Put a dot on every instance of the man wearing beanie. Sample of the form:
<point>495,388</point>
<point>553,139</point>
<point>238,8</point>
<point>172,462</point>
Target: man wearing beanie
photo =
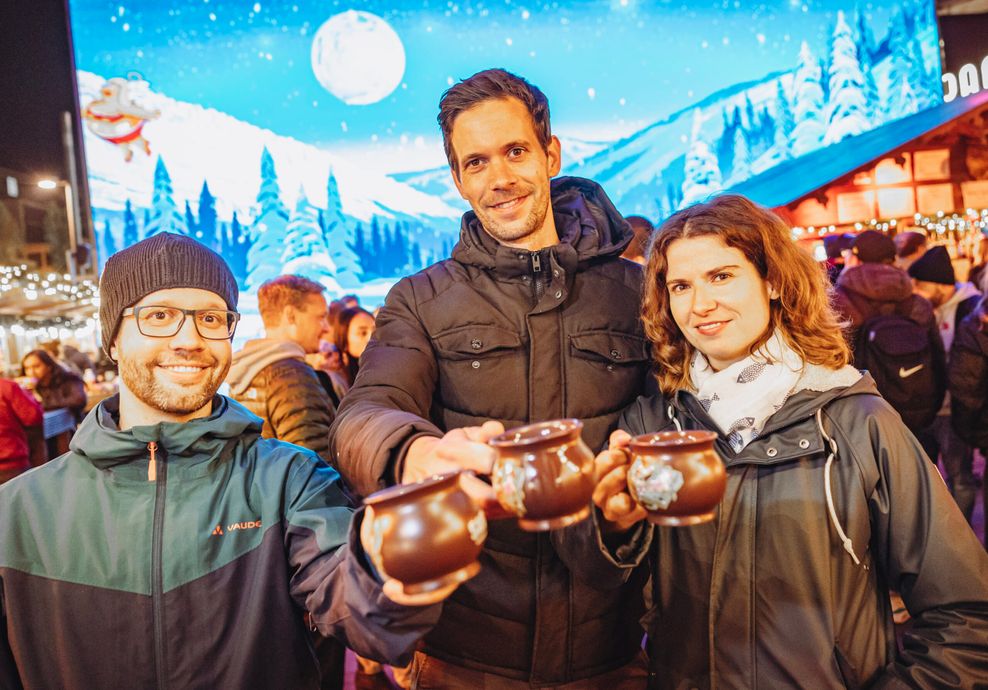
<point>933,278</point>
<point>173,546</point>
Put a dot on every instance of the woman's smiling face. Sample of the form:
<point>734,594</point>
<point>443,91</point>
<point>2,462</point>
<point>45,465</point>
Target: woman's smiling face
<point>717,298</point>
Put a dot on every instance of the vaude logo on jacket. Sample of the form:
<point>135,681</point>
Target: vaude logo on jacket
<point>232,527</point>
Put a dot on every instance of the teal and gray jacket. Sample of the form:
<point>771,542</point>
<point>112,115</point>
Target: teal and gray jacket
<point>192,571</point>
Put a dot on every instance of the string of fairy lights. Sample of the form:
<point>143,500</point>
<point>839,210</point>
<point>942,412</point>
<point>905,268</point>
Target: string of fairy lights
<point>34,286</point>
<point>938,224</point>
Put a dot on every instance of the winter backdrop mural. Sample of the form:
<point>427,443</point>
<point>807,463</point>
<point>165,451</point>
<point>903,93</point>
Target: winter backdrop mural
<point>300,135</point>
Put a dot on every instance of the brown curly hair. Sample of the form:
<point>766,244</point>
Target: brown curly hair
<point>802,312</point>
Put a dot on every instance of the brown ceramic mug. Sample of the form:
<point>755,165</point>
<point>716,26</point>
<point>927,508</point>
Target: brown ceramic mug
<point>423,538</point>
<point>676,476</point>
<point>544,474</point>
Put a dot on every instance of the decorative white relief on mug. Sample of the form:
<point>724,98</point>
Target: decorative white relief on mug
<point>477,526</point>
<point>509,487</point>
<point>657,486</point>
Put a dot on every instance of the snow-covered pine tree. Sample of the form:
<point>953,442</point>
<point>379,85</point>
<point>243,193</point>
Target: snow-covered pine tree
<point>337,237</point>
<point>239,249</point>
<point>109,244</point>
<point>741,165</point>
<point>905,94</point>
<point>702,174</point>
<point>267,234</point>
<point>783,123</point>
<point>164,216</point>
<point>131,235</point>
<point>208,231</point>
<point>191,223</point>
<point>848,107</point>
<point>305,250</point>
<point>807,96</point>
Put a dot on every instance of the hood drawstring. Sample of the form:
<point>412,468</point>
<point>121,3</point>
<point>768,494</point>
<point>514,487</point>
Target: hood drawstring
<point>845,540</point>
<point>671,414</point>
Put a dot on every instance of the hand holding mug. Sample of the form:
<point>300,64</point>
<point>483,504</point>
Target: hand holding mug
<point>459,449</point>
<point>620,511</point>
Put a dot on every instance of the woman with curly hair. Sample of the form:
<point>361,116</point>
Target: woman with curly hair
<point>830,501</point>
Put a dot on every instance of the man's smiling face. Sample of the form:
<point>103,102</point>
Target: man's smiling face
<point>503,172</point>
<point>172,378</point>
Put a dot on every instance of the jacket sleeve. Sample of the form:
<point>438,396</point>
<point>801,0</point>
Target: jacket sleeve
<point>388,406</point>
<point>968,383</point>
<point>331,578</point>
<point>299,409</point>
<point>926,552</point>
<point>27,410</point>
<point>607,561</point>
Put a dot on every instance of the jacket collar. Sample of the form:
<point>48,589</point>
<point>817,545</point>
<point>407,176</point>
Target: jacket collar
<point>588,224</point>
<point>100,440</point>
<point>782,438</point>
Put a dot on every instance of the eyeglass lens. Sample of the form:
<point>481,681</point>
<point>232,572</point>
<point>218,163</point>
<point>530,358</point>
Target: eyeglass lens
<point>167,321</point>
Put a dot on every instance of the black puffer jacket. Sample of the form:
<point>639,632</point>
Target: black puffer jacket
<point>271,379</point>
<point>515,336</point>
<point>968,380</point>
<point>766,596</point>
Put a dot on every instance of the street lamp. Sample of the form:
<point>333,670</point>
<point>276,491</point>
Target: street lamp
<point>72,252</point>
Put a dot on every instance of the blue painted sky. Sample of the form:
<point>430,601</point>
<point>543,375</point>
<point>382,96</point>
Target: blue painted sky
<point>642,60</point>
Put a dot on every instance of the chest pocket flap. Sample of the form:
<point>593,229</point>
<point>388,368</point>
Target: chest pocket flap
<point>609,346</point>
<point>466,342</point>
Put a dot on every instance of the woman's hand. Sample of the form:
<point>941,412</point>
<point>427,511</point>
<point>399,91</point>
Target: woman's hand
<point>619,509</point>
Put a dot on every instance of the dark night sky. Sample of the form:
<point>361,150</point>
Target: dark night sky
<point>36,85</point>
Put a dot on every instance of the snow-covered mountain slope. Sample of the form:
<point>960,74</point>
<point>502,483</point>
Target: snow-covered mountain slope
<point>200,143</point>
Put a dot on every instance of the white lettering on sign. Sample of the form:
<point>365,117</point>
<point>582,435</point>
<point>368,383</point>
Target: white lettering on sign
<point>965,82</point>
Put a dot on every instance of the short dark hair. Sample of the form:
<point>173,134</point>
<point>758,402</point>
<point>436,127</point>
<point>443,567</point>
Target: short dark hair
<point>286,290</point>
<point>492,84</point>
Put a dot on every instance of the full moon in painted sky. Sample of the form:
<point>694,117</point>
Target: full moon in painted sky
<point>358,57</point>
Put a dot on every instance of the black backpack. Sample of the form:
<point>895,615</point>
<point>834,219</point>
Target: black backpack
<point>908,367</point>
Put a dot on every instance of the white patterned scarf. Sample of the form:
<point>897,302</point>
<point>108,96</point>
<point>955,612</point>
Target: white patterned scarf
<point>740,398</point>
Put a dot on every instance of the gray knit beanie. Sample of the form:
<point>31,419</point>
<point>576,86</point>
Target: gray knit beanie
<point>158,263</point>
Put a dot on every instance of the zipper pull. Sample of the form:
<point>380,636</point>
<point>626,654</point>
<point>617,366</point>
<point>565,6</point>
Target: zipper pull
<point>153,464</point>
<point>536,263</point>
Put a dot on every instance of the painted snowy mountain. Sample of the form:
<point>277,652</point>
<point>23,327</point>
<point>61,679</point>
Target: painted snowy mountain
<point>200,144</point>
<point>644,173</point>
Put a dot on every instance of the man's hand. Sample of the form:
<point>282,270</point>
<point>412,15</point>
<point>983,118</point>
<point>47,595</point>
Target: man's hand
<point>619,509</point>
<point>460,449</point>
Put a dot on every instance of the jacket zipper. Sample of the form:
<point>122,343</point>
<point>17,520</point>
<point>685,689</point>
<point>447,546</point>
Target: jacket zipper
<point>157,586</point>
<point>537,277</point>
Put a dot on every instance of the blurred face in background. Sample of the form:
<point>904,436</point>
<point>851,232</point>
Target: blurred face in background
<point>358,333</point>
<point>309,322</point>
<point>36,369</point>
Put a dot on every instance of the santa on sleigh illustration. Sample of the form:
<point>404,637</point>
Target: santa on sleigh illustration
<point>116,117</point>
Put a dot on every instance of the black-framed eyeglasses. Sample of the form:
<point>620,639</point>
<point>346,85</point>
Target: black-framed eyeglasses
<point>164,322</point>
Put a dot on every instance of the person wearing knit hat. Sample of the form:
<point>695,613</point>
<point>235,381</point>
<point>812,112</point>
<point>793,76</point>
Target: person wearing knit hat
<point>206,541</point>
<point>872,247</point>
<point>933,278</point>
<point>909,246</point>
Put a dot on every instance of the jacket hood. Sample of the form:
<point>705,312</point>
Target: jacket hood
<point>877,282</point>
<point>588,224</point>
<point>255,356</point>
<point>100,440</point>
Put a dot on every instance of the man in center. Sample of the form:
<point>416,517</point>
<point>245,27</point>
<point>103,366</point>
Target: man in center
<point>534,317</point>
